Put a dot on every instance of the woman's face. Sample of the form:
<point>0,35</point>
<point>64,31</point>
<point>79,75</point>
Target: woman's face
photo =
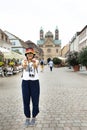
<point>30,56</point>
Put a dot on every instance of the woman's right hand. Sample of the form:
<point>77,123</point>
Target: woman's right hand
<point>25,64</point>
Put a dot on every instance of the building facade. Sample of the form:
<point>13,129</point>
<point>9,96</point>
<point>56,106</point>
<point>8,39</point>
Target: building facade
<point>4,41</point>
<point>74,43</point>
<point>83,38</point>
<point>17,44</point>
<point>79,40</point>
<point>50,44</point>
<point>65,51</point>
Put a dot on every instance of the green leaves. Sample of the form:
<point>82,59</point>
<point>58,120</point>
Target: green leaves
<point>73,58</point>
<point>56,61</point>
<point>83,56</point>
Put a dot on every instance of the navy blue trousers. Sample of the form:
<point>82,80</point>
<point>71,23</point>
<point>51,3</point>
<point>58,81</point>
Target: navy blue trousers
<point>51,68</point>
<point>31,91</point>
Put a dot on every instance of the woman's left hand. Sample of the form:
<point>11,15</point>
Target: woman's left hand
<point>34,63</point>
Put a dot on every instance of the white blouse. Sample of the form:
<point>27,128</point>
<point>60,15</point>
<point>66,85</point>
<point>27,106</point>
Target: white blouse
<point>30,73</point>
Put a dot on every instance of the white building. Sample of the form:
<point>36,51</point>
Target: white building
<point>17,44</point>
<point>74,43</point>
<point>4,41</point>
<point>83,38</point>
<point>79,41</point>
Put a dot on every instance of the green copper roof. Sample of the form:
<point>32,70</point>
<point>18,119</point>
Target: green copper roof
<point>56,42</point>
<point>40,42</point>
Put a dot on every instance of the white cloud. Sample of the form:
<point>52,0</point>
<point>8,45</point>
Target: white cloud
<point>25,17</point>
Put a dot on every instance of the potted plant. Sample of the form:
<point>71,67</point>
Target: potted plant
<point>73,60</point>
<point>1,63</point>
<point>57,62</point>
<point>1,60</point>
<point>11,63</point>
<point>83,57</point>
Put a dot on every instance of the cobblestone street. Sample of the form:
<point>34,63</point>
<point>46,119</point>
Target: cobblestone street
<point>63,101</point>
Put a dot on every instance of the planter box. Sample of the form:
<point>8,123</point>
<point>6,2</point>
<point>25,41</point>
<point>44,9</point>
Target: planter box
<point>76,68</point>
<point>58,65</point>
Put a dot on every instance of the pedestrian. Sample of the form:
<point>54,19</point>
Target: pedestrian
<point>50,65</point>
<point>30,87</point>
<point>42,65</point>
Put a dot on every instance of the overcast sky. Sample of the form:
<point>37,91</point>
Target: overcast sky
<point>24,18</point>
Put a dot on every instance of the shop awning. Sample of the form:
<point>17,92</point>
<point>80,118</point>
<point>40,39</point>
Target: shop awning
<point>62,58</point>
<point>12,54</point>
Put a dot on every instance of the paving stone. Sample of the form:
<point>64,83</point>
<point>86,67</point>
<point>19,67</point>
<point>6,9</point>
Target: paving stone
<point>67,128</point>
<point>75,128</point>
<point>83,128</point>
<point>59,128</point>
<point>63,101</point>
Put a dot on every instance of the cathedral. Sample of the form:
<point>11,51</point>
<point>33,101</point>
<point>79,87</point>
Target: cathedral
<point>50,44</point>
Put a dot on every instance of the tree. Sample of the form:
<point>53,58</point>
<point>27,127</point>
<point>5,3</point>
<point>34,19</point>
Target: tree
<point>57,61</point>
<point>83,56</point>
<point>73,58</point>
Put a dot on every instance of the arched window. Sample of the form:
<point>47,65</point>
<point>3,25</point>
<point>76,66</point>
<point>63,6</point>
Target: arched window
<point>56,50</point>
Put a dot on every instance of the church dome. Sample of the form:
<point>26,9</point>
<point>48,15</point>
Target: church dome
<point>49,34</point>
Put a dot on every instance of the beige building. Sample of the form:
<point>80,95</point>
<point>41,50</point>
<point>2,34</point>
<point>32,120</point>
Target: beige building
<point>50,44</point>
<point>65,51</point>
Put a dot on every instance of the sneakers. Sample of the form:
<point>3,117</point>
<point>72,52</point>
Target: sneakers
<point>30,123</point>
<point>33,123</point>
<point>27,122</point>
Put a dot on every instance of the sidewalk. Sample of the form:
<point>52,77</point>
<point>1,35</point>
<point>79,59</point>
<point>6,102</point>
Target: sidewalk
<point>65,96</point>
<point>63,101</point>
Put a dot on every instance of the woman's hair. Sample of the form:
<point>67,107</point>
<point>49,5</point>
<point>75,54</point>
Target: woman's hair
<point>32,57</point>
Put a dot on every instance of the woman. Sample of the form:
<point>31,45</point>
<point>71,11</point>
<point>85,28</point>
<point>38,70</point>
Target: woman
<point>30,87</point>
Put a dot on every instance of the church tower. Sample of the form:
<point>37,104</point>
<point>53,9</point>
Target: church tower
<point>56,33</point>
<point>49,43</point>
<point>41,34</point>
